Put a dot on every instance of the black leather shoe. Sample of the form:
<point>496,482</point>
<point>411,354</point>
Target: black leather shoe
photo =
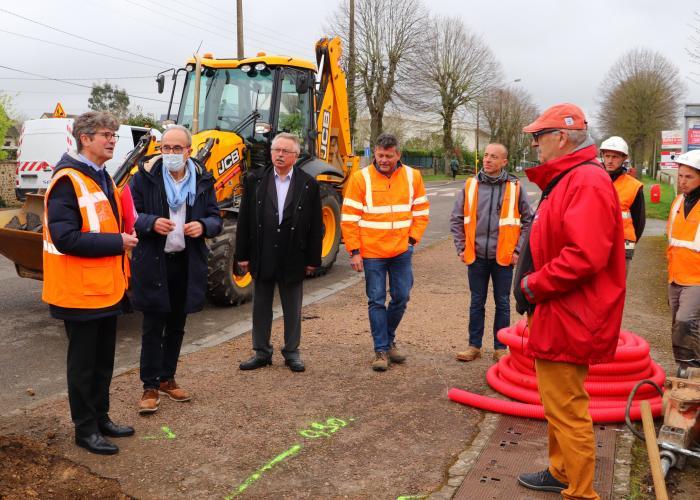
<point>109,428</point>
<point>296,365</point>
<point>96,443</point>
<point>254,363</point>
<point>542,481</point>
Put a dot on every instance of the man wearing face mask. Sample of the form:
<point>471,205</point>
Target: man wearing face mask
<point>176,205</point>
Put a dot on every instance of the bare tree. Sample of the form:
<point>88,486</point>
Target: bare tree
<point>640,96</point>
<point>507,111</point>
<point>694,50</point>
<point>386,31</point>
<point>449,71</point>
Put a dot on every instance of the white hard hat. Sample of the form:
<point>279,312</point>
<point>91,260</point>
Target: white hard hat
<point>615,143</point>
<point>690,159</point>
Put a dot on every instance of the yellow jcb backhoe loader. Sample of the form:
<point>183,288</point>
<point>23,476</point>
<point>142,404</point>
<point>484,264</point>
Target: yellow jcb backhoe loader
<point>234,108</point>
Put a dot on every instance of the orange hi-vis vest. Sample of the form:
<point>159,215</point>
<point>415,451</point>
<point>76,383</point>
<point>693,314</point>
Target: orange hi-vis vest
<point>381,213</point>
<point>627,188</point>
<point>84,282</point>
<point>508,223</point>
<point>683,244</point>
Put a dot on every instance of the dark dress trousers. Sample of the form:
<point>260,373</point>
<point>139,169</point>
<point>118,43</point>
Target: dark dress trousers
<point>279,252</point>
<point>168,286</point>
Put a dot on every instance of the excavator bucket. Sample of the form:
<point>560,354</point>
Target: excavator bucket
<point>20,236</point>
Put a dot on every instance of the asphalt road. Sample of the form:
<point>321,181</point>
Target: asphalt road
<point>33,345</point>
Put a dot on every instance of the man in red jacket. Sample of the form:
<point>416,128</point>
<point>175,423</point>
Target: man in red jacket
<point>571,280</point>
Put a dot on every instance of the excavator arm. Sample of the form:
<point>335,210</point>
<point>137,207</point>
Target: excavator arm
<point>334,144</point>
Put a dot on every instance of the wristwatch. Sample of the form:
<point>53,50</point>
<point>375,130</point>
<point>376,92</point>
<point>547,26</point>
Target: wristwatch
<point>354,252</point>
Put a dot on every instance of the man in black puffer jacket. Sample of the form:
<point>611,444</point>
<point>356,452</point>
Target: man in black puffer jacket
<point>176,205</point>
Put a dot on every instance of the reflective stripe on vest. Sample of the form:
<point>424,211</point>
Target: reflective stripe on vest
<point>683,244</point>
<point>508,223</point>
<point>77,282</point>
<point>380,213</point>
<point>627,188</point>
<point>371,208</point>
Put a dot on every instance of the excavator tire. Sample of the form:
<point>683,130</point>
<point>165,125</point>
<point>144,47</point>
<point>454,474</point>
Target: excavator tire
<point>330,216</point>
<point>225,288</point>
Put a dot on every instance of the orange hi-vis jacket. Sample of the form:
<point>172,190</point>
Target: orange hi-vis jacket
<point>84,282</point>
<point>381,213</point>
<point>683,244</point>
<point>508,223</point>
<point>627,188</point>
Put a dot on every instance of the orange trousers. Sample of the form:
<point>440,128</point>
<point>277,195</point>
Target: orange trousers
<point>570,428</point>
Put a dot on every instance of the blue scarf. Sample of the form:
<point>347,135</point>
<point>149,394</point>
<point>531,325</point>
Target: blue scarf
<point>179,192</point>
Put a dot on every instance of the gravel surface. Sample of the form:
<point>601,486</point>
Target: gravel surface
<point>338,430</point>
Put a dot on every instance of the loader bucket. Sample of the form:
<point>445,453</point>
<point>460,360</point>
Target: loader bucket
<point>24,248</point>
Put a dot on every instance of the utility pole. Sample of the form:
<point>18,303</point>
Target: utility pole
<point>239,27</point>
<point>351,71</point>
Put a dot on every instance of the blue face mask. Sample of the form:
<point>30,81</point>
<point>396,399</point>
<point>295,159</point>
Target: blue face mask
<point>173,162</point>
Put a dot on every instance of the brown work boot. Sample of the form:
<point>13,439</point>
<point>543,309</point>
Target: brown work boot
<point>174,391</point>
<point>395,356</point>
<point>381,362</point>
<point>470,354</point>
<point>499,353</point>
<point>149,401</point>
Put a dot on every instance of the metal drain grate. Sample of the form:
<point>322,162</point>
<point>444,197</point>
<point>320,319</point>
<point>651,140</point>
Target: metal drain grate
<point>520,445</point>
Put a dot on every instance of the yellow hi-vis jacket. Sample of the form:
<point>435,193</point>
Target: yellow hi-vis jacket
<point>627,188</point>
<point>84,282</point>
<point>683,244</point>
<point>381,213</point>
<point>508,222</point>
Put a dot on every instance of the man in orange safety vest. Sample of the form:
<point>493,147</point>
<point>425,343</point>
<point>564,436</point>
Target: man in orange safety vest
<point>385,212</point>
<point>683,252</point>
<point>613,153</point>
<point>490,218</point>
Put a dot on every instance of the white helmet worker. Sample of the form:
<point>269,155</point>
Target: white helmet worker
<point>690,159</point>
<point>615,143</point>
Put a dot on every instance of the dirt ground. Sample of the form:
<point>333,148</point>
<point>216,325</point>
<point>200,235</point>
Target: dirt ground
<point>338,430</point>
<point>261,432</point>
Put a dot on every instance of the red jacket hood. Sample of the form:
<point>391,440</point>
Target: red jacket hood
<point>544,173</point>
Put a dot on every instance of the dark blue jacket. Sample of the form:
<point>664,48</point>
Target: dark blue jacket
<point>65,223</point>
<point>149,277</point>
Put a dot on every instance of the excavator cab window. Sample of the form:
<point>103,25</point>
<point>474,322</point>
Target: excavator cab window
<point>228,98</point>
<point>295,112</point>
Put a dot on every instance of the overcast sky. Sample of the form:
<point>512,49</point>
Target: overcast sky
<point>559,49</point>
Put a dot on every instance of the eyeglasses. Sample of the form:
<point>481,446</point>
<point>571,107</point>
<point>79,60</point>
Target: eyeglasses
<point>107,135</point>
<point>283,151</point>
<point>178,150</point>
<point>536,135</point>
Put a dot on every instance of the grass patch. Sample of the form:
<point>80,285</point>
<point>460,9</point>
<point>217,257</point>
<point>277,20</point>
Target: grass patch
<point>658,210</point>
<point>639,472</point>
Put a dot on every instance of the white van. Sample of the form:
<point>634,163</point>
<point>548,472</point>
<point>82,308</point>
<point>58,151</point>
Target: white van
<point>42,143</point>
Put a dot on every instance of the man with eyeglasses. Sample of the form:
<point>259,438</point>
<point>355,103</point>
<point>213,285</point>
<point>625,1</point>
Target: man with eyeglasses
<point>177,209</point>
<point>570,279</point>
<point>278,240</point>
<point>85,278</point>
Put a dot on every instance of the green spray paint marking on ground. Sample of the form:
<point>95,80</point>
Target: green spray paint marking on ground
<point>168,434</point>
<point>258,473</point>
<point>411,497</point>
<point>330,426</point>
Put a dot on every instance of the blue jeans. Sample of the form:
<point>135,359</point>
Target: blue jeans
<point>479,272</point>
<point>384,320</point>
